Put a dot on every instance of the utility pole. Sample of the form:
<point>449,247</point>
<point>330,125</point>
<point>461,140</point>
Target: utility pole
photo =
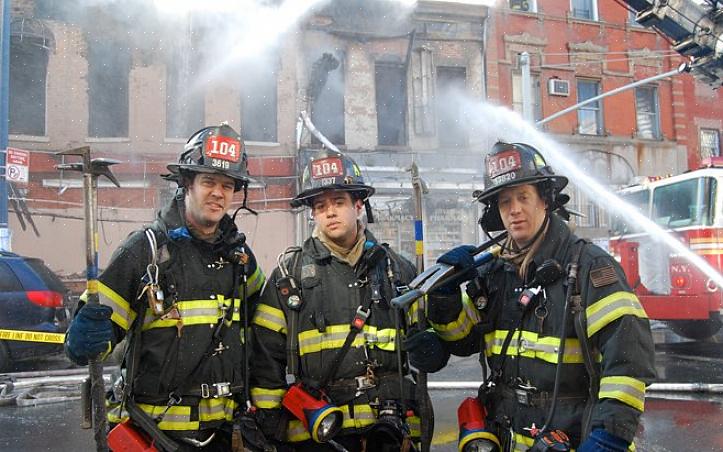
<point>526,87</point>
<point>4,112</point>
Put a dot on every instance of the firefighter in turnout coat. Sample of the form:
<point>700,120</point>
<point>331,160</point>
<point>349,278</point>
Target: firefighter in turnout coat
<point>325,318</point>
<point>177,291</point>
<point>517,309</point>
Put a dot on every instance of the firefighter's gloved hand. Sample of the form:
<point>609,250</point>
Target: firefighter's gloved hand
<point>426,351</point>
<point>462,259</point>
<point>90,334</point>
<point>602,441</point>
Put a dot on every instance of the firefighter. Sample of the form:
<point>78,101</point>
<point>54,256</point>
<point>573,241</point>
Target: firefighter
<point>177,292</point>
<point>325,315</point>
<point>586,392</point>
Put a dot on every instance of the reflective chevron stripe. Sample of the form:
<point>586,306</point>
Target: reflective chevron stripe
<point>610,308</point>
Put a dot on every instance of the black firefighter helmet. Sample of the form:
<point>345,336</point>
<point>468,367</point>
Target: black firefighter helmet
<point>330,170</point>
<point>214,149</point>
<point>510,164</point>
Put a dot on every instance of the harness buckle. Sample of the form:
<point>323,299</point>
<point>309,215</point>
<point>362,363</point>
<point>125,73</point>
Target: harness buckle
<point>205,391</point>
<point>222,389</point>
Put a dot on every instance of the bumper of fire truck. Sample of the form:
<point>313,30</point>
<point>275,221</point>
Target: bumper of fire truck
<point>683,307</point>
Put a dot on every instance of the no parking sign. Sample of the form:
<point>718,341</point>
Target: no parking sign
<point>18,164</point>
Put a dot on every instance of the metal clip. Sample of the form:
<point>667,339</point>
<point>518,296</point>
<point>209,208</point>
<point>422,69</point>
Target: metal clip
<point>222,389</point>
<point>360,318</point>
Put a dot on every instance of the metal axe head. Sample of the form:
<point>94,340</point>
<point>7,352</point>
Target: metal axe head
<point>96,167</point>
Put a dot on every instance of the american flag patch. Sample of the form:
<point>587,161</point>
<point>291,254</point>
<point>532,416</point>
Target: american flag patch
<point>603,276</point>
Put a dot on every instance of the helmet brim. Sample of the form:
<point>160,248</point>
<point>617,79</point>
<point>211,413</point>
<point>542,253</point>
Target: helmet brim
<point>176,168</point>
<point>305,197</point>
<point>489,196</point>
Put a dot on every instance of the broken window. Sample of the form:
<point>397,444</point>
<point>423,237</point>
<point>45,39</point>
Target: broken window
<point>326,92</point>
<point>185,96</point>
<point>646,108</point>
<point>259,101</point>
<point>391,104</point>
<point>109,63</point>
<point>451,82</point>
<point>29,45</point>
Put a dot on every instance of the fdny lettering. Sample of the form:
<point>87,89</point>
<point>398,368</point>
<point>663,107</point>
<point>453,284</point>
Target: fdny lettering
<point>503,162</point>
<point>327,168</point>
<point>224,148</point>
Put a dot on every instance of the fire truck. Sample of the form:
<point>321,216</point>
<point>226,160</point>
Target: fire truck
<point>671,289</point>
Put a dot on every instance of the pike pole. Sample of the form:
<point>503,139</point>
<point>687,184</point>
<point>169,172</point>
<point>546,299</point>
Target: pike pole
<point>91,170</point>
<point>425,406</point>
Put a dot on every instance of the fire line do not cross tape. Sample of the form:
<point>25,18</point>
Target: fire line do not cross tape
<point>32,336</point>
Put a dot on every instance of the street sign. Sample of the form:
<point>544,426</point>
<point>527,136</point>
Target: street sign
<point>18,165</point>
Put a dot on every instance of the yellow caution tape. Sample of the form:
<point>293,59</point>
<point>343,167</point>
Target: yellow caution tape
<point>32,336</point>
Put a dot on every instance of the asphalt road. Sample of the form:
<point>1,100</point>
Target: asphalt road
<point>672,422</point>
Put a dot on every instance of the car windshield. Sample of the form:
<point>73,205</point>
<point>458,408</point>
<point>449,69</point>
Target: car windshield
<point>639,199</point>
<point>686,203</point>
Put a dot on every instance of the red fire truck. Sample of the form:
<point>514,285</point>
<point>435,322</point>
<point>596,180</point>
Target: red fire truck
<point>673,290</point>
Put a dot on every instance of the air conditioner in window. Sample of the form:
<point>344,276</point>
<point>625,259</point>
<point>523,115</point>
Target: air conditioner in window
<point>558,87</point>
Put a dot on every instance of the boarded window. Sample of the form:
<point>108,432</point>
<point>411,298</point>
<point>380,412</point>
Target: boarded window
<point>709,143</point>
<point>391,104</point>
<point>185,105</point>
<point>451,82</point>
<point>28,73</point>
<point>109,64</point>
<point>326,89</point>
<point>646,108</point>
<point>259,102</point>
<point>536,95</point>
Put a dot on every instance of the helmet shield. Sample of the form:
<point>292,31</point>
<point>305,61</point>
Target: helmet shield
<point>511,164</point>
<point>329,170</point>
<point>216,149</point>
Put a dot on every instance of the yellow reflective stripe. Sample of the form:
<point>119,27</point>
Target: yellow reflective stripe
<point>176,418</point>
<point>628,390</point>
<point>312,341</point>
<point>415,310</point>
<point>216,409</point>
<point>529,345</point>
<point>458,329</point>
<point>193,312</point>
<point>364,416</point>
<point>270,318</point>
<point>521,442</point>
<point>415,426</point>
<point>255,282</point>
<point>611,308</point>
<point>122,315</point>
<point>267,398</point>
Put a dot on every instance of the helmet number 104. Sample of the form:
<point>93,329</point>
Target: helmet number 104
<point>220,147</point>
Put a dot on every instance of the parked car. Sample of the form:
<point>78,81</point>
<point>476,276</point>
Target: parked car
<point>32,298</point>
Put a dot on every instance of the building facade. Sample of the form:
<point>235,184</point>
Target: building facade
<point>582,48</point>
<point>391,83</point>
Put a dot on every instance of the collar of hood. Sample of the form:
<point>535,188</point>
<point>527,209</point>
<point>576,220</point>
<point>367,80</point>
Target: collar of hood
<point>314,248</point>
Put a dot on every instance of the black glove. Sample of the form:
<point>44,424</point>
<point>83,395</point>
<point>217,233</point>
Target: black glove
<point>462,259</point>
<point>426,351</point>
<point>90,334</point>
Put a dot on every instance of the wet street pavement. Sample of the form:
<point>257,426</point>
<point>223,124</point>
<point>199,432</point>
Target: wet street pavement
<point>672,422</point>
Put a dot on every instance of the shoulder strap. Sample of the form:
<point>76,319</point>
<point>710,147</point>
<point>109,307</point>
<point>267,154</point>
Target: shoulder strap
<point>586,346</point>
<point>288,286</point>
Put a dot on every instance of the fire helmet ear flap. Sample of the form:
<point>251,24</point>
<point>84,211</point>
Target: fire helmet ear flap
<point>490,221</point>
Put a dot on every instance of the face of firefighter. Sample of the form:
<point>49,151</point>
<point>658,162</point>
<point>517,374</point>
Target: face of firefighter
<point>336,214</point>
<point>208,198</point>
<point>522,211</point>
